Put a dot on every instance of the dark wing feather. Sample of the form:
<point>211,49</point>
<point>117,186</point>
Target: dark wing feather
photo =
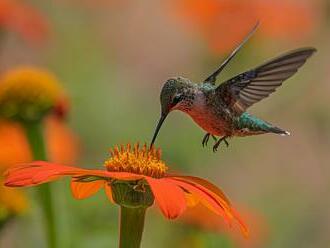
<point>213,77</point>
<point>247,88</point>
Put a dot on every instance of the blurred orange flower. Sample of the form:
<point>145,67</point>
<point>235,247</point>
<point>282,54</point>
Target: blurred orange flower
<point>14,147</point>
<point>17,16</point>
<point>12,202</point>
<point>62,147</point>
<point>61,143</point>
<point>207,221</point>
<point>142,168</point>
<point>224,23</point>
<point>29,93</point>
<point>33,93</point>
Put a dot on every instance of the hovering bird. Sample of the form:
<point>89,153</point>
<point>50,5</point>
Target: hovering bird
<point>221,110</point>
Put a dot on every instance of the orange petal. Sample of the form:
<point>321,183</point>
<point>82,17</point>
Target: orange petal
<point>82,190</point>
<point>211,189</point>
<point>38,172</point>
<point>169,197</point>
<point>35,173</point>
<point>125,176</point>
<point>206,198</point>
<point>212,201</point>
<point>242,225</point>
<point>13,142</point>
<point>210,186</point>
<point>191,200</point>
<point>108,192</point>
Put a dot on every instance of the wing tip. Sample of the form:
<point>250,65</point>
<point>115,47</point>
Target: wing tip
<point>309,50</point>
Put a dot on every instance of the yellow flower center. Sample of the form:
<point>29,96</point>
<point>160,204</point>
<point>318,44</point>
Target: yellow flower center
<point>138,160</point>
<point>28,93</point>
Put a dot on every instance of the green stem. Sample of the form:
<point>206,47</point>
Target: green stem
<point>131,226</point>
<point>34,133</point>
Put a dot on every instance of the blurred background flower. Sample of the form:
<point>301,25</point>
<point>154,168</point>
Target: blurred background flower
<point>20,17</point>
<point>32,101</point>
<point>280,19</point>
<point>29,94</point>
<point>62,145</point>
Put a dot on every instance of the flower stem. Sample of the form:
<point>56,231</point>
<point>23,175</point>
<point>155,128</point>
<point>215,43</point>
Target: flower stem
<point>131,226</point>
<point>35,137</point>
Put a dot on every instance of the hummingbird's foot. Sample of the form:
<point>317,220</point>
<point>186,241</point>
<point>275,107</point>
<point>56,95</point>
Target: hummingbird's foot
<point>216,146</point>
<point>206,139</point>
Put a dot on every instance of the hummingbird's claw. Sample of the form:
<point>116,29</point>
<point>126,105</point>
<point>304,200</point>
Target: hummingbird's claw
<point>217,144</point>
<point>226,142</point>
<point>205,139</point>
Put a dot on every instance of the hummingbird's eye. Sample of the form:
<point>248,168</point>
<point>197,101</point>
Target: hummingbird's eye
<point>177,99</point>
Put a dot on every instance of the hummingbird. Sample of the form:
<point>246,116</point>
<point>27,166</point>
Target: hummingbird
<point>220,110</point>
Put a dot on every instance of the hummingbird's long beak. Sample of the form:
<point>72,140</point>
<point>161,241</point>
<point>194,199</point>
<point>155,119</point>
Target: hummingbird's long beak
<point>160,123</point>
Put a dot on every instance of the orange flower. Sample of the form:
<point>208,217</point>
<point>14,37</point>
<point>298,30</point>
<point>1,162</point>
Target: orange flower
<point>224,23</point>
<point>32,93</point>
<point>62,144</point>
<point>289,20</point>
<point>140,169</point>
<point>14,148</point>
<point>23,19</point>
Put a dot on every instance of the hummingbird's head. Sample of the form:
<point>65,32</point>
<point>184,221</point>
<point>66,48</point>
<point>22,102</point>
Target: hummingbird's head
<point>172,97</point>
<point>173,94</point>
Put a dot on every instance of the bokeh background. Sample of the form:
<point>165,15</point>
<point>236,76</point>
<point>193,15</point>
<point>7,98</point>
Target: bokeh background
<point>113,57</point>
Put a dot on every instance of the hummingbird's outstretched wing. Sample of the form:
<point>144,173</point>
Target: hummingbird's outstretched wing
<point>249,87</point>
<point>213,77</point>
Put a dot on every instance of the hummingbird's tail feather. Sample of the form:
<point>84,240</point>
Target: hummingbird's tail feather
<point>278,130</point>
<point>250,125</point>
